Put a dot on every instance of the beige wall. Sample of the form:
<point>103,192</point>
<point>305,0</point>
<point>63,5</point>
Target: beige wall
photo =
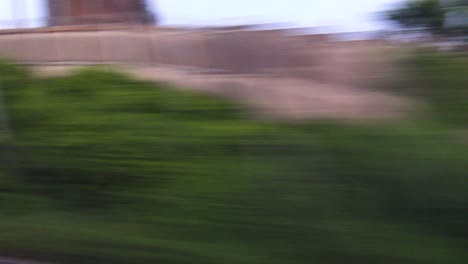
<point>246,52</point>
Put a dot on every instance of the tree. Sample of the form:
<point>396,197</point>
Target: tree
<point>426,15</point>
<point>438,17</point>
<point>149,17</point>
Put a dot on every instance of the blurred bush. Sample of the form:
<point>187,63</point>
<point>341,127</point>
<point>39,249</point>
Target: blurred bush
<point>440,79</point>
<point>97,134</point>
<point>107,169</point>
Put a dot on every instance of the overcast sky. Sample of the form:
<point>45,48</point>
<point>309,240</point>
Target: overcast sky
<point>336,15</point>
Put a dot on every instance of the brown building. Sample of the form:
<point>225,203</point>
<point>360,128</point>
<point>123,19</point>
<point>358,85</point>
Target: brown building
<point>72,12</point>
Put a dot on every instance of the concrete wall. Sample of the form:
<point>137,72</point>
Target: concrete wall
<point>238,52</point>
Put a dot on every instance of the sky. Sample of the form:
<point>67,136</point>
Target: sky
<point>333,15</point>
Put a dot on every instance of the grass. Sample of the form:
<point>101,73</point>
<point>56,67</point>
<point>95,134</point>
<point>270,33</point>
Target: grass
<point>105,169</point>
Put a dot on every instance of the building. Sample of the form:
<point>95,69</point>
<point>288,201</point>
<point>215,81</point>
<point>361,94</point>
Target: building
<point>79,12</point>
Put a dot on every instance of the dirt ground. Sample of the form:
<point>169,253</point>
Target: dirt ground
<point>270,95</point>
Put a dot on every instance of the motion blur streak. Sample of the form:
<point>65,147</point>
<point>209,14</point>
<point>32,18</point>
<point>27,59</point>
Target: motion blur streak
<point>123,142</point>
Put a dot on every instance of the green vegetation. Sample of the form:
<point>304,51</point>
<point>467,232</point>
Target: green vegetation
<point>101,168</point>
<point>419,14</point>
<point>441,80</point>
<point>438,17</point>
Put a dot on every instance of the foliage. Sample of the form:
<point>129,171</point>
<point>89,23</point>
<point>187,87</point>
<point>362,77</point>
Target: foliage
<point>103,129</point>
<point>113,170</point>
<point>419,14</point>
<point>439,80</point>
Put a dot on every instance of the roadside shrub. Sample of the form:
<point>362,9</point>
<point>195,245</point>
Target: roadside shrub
<point>95,135</point>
